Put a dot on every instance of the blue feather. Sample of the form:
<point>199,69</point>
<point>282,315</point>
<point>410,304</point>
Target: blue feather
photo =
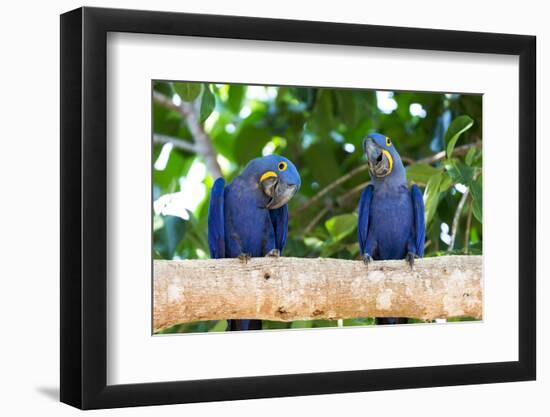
<point>239,221</point>
<point>419,220</point>
<point>216,235</point>
<point>391,222</point>
<point>363,221</point>
<point>279,220</point>
<point>391,217</point>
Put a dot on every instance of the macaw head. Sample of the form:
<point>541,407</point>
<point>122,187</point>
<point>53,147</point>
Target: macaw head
<point>277,178</point>
<point>382,157</point>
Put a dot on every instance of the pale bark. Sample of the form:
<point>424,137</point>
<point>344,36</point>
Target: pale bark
<point>176,142</point>
<point>290,289</point>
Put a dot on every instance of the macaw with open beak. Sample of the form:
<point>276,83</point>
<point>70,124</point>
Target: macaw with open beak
<point>391,222</point>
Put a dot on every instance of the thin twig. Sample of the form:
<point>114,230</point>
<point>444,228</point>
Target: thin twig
<point>432,159</point>
<point>332,185</point>
<point>408,161</point>
<point>456,218</point>
<point>315,220</point>
<point>468,226</point>
<point>203,143</point>
<point>458,151</point>
<point>352,192</point>
<point>165,101</point>
<point>178,143</point>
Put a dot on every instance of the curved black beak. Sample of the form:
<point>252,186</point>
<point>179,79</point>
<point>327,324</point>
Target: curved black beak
<point>280,192</point>
<point>371,149</point>
<point>379,163</point>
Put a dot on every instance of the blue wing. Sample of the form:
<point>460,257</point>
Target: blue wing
<point>216,235</point>
<point>279,220</point>
<point>419,220</point>
<point>363,222</point>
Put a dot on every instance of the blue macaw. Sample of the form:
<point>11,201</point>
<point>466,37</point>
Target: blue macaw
<point>391,221</point>
<point>249,217</point>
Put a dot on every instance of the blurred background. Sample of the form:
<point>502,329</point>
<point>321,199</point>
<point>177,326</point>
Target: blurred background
<point>202,131</point>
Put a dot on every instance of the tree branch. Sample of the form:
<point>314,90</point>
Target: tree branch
<point>432,159</point>
<point>178,143</point>
<point>165,101</point>
<point>315,220</point>
<point>468,227</point>
<point>456,218</point>
<point>355,190</point>
<point>288,289</point>
<point>458,151</point>
<point>332,185</point>
<point>203,143</point>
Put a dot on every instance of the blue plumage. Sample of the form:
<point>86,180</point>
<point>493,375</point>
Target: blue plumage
<point>249,217</point>
<point>391,217</point>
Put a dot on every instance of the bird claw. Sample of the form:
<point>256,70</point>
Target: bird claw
<point>366,258</point>
<point>410,259</point>
<point>274,253</point>
<point>244,257</point>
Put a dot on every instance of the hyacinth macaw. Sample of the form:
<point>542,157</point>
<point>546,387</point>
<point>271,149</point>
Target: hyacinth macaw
<point>391,217</point>
<point>249,217</point>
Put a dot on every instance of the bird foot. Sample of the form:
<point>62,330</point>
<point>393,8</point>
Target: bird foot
<point>410,259</point>
<point>244,257</point>
<point>367,259</point>
<point>274,253</point>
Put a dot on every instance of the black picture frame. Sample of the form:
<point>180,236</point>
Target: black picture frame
<point>84,207</point>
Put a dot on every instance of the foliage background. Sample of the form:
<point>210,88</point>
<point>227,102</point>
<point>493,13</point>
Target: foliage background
<point>201,130</point>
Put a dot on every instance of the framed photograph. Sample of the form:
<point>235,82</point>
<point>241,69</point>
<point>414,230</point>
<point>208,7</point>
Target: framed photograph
<point>257,208</point>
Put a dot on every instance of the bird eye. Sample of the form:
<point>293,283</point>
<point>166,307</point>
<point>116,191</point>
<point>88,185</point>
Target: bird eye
<point>281,166</point>
<point>388,141</point>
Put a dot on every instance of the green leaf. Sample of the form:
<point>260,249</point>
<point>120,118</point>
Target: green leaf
<point>341,226</point>
<point>235,98</point>
<point>322,117</point>
<point>461,318</point>
<point>168,179</point>
<point>324,323</point>
<point>166,122</point>
<point>250,142</point>
<point>477,196</point>
<point>431,196</point>
<point>220,326</point>
<point>348,109</point>
<point>301,324</point>
<point>470,156</point>
<point>187,91</point>
<point>322,162</point>
<point>365,321</point>
<point>458,126</point>
<point>163,87</point>
<point>460,172</point>
<point>208,102</point>
<point>421,173</point>
<point>446,182</point>
<point>169,236</point>
<point>269,325</point>
<point>313,242</point>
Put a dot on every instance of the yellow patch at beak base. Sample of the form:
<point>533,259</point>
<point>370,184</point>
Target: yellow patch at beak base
<point>390,159</point>
<point>267,175</point>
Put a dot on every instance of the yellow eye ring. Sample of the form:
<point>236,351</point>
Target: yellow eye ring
<point>388,141</point>
<point>282,166</point>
